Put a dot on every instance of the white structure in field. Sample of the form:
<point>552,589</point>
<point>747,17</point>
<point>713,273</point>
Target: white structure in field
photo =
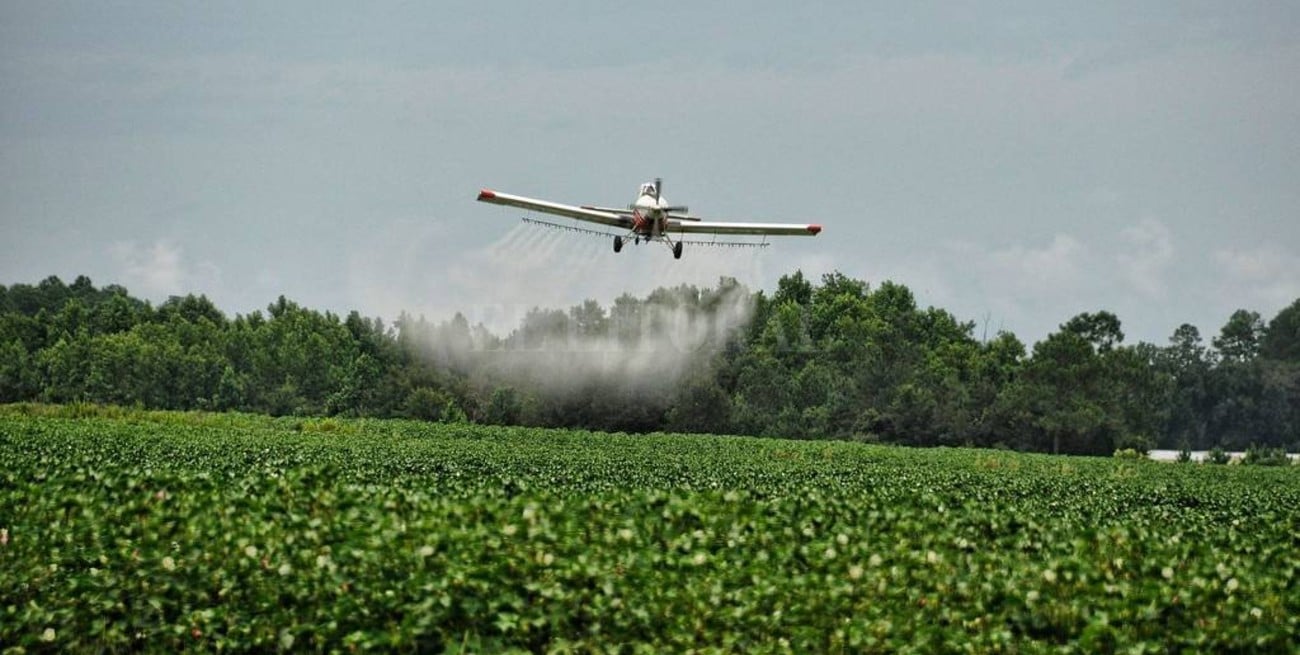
<point>1201,455</point>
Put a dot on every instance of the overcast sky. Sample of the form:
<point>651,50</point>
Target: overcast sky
<point>1013,163</point>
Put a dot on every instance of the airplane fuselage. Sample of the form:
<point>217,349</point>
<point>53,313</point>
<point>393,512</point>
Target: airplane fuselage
<point>648,204</point>
<point>650,214</point>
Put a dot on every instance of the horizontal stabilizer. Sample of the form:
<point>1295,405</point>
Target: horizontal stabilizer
<point>612,210</point>
<point>684,217</point>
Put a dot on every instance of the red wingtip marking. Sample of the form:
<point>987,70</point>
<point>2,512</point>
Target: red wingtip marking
<point>814,228</point>
<point>486,194</point>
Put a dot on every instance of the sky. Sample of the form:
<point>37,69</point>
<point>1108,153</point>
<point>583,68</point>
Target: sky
<point>1015,163</point>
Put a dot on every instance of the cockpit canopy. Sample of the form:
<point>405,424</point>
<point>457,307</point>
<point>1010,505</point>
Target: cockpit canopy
<point>648,189</point>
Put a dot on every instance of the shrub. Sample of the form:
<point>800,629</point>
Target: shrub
<point>1129,453</point>
<point>425,404</point>
<point>452,413</point>
<point>1266,457</point>
<point>1218,455</point>
<point>1136,442</point>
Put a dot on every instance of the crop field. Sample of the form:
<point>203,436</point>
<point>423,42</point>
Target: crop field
<point>126,530</point>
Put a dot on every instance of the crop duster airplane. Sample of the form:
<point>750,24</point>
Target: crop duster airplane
<point>650,218</point>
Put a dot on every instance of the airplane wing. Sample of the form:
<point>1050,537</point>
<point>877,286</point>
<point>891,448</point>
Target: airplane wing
<point>613,210</point>
<point>572,211</point>
<point>718,227</point>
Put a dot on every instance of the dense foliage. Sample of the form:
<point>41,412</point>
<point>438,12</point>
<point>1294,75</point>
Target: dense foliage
<point>132,530</point>
<point>835,359</point>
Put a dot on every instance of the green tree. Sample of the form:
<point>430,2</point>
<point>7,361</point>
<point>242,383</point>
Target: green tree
<point>1141,395</point>
<point>1101,329</point>
<point>1282,337</point>
<point>1254,403</point>
<point>589,320</point>
<point>1071,396</point>
<point>1239,339</point>
<point>1064,377</point>
<point>504,408</point>
<point>794,288</point>
<point>230,392</point>
<point>625,319</point>
<point>426,403</point>
<point>192,309</point>
<point>1189,366</point>
<point>117,312</point>
<point>356,393</point>
<point>995,369</point>
<point>295,361</point>
<point>17,376</point>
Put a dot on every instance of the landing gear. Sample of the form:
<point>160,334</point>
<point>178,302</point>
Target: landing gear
<point>618,244</point>
<point>677,250</point>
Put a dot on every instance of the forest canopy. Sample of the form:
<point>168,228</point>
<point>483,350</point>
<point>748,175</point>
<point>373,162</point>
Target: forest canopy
<point>831,359</point>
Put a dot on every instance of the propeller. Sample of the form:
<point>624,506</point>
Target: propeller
<point>659,189</point>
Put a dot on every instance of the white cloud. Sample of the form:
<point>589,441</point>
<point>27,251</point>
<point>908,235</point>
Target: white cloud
<point>1265,278</point>
<point>1149,255</point>
<point>1027,289</point>
<point>152,270</point>
<point>159,270</point>
<point>1052,269</point>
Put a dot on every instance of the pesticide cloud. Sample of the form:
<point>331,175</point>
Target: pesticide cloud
<point>641,346</point>
<point>560,313</point>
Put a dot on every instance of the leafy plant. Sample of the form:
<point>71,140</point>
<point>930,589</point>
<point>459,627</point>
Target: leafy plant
<point>133,530</point>
<point>1259,456</point>
<point>1218,455</point>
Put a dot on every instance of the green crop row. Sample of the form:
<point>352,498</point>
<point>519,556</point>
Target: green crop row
<point>212,532</point>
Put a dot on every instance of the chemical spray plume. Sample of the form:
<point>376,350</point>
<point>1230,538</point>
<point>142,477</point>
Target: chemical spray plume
<point>501,289</point>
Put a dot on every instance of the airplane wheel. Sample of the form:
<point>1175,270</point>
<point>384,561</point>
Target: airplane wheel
<point>618,244</point>
<point>677,250</point>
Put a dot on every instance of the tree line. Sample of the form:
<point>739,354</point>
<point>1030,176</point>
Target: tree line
<point>833,359</point>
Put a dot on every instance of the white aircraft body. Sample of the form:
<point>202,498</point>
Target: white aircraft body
<point>650,218</point>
